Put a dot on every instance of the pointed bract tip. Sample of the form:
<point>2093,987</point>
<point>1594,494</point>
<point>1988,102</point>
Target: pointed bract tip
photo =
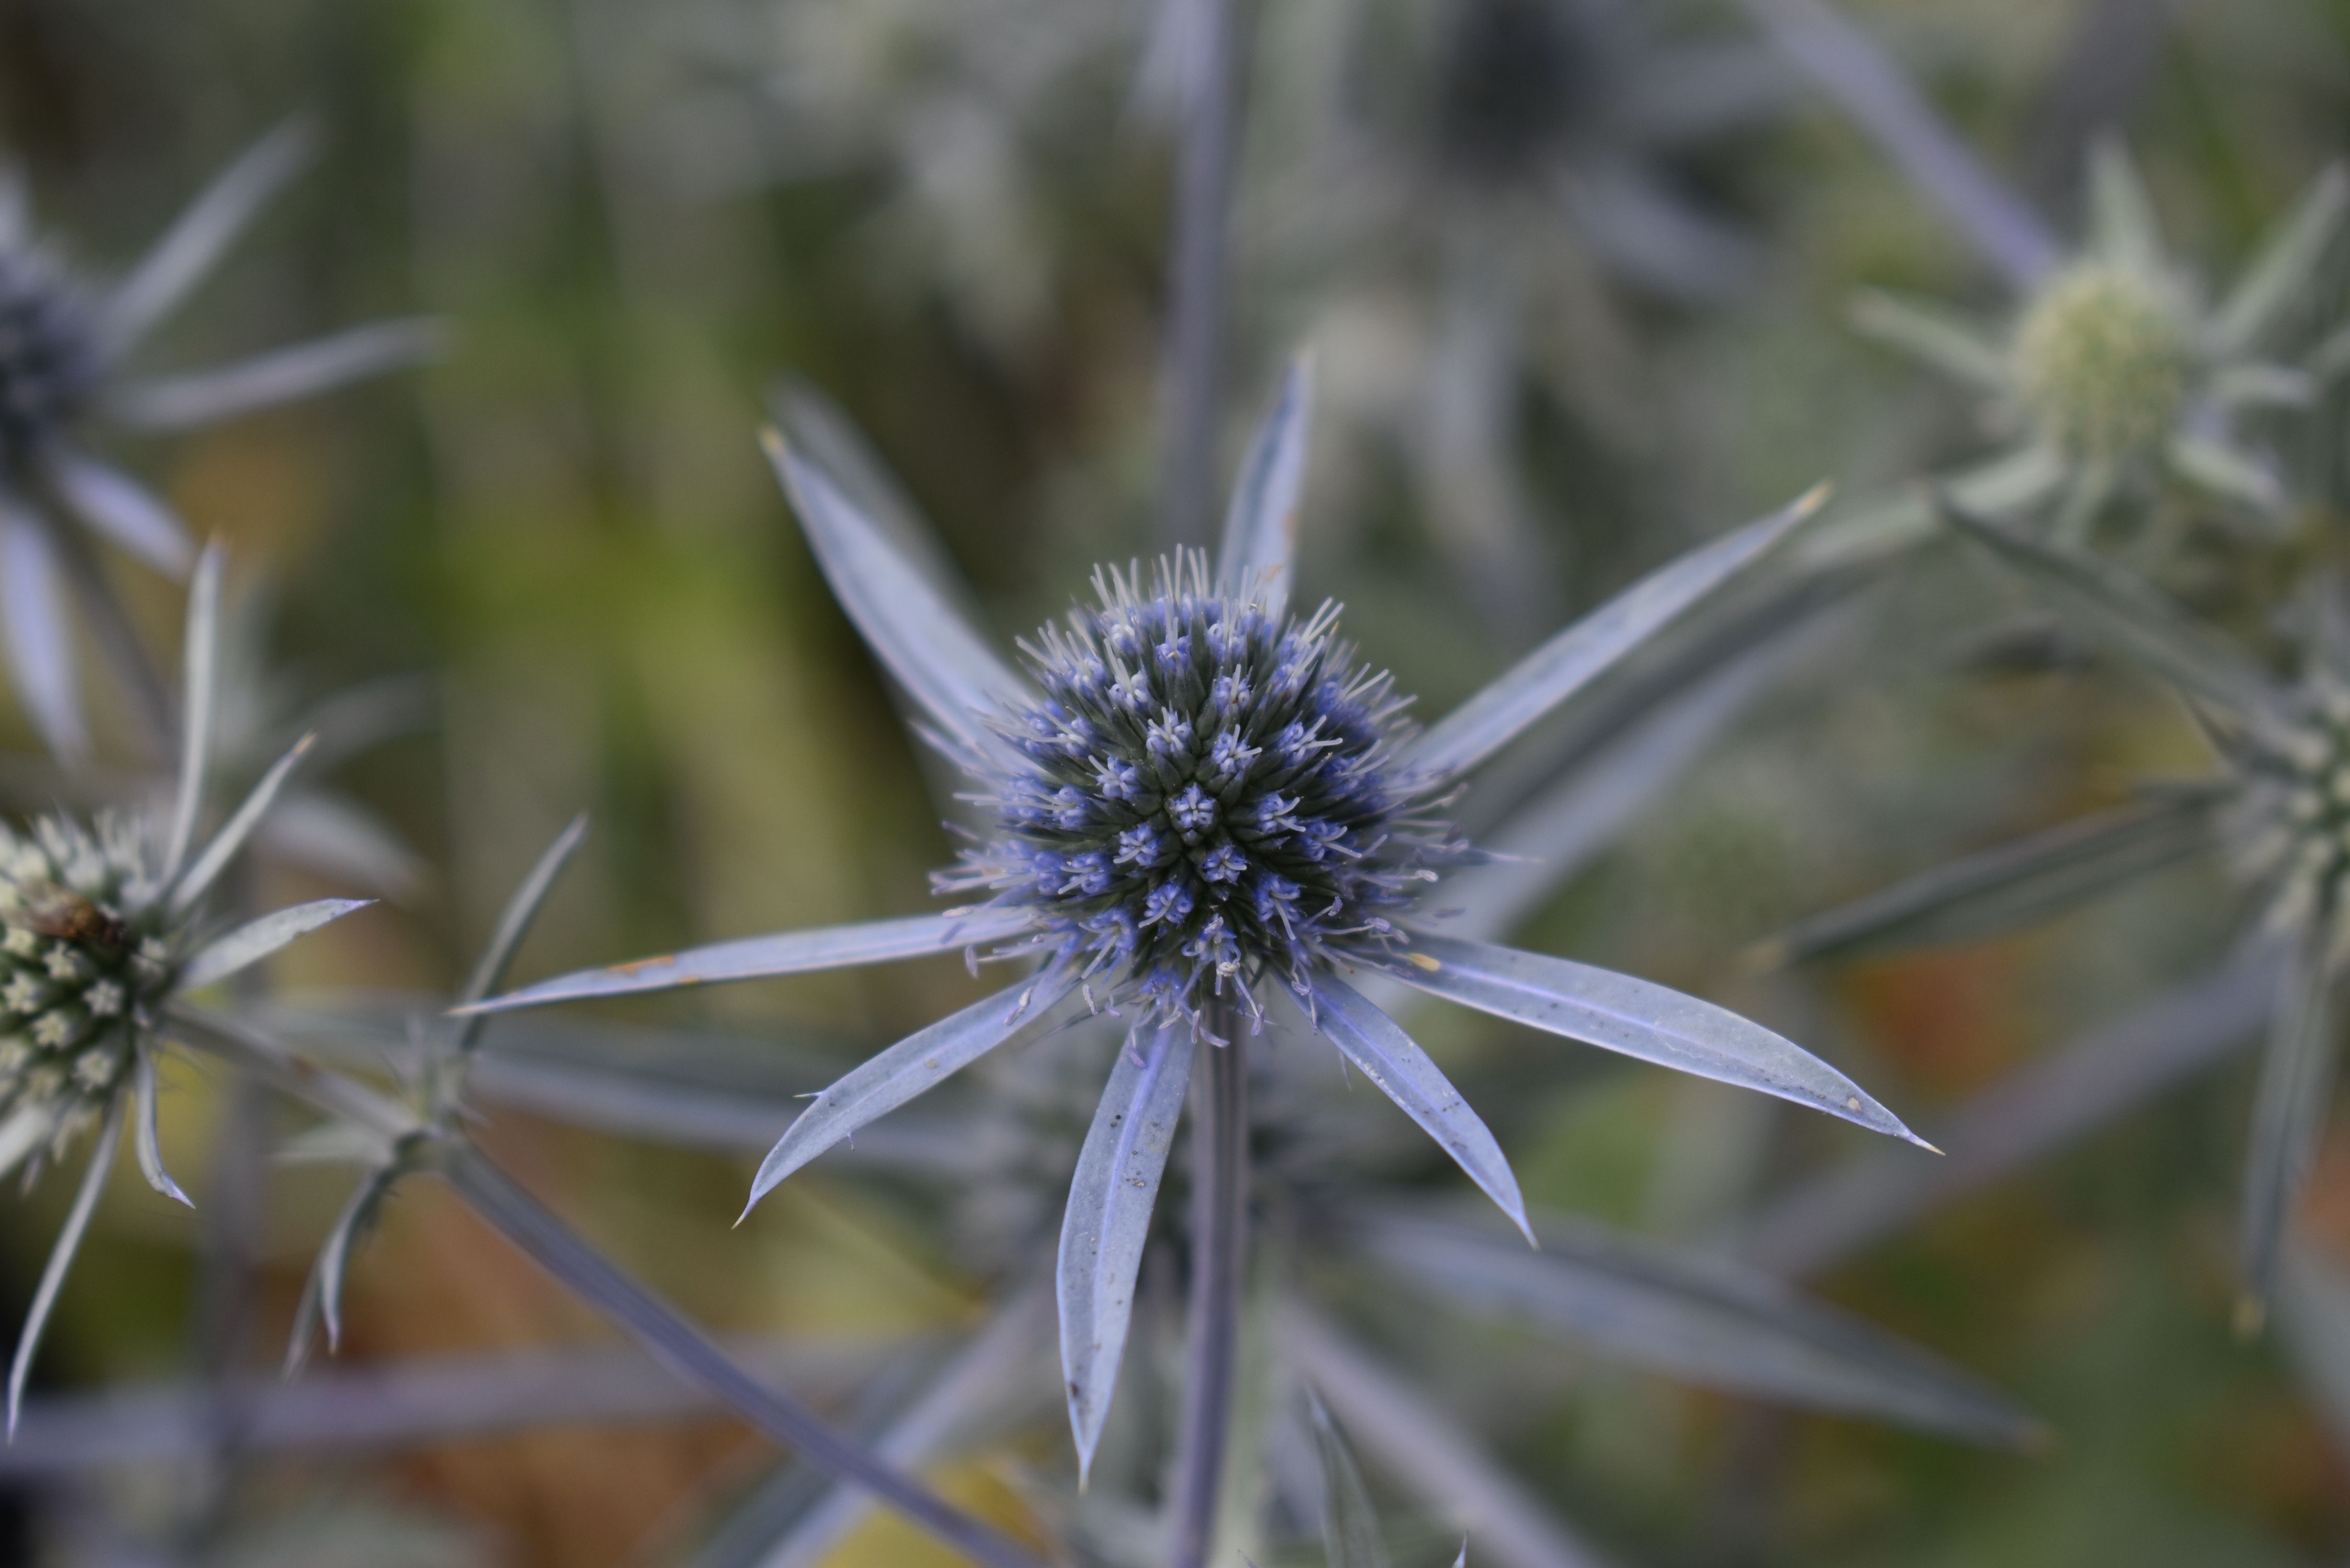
<point>772,442</point>
<point>1920,1142</point>
<point>2251,1315</point>
<point>1808,504</point>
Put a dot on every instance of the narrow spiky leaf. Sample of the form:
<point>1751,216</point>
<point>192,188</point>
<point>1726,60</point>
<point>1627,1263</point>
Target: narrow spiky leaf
<point>917,636</point>
<point>2285,267</point>
<point>148,1145</point>
<point>2011,886</point>
<point>322,1294</point>
<point>2132,619</point>
<point>206,870</point>
<point>1638,1018</point>
<point>2121,216</point>
<point>915,1064</point>
<point>1350,1527</point>
<point>1108,1218</point>
<point>61,1257</point>
<point>1261,527</point>
<point>2290,1109</point>
<point>202,681</point>
<point>41,663</point>
<point>122,509</point>
<point>514,925</point>
<point>1557,670</point>
<point>202,234</point>
<point>280,376</point>
<point>257,939</point>
<point>1393,1060</point>
<point>1935,336</point>
<point>1690,1316</point>
<point>784,952</point>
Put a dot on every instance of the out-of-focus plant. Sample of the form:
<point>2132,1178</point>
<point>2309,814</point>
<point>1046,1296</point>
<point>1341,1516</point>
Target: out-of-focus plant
<point>107,940</point>
<point>65,351</point>
<point>2116,384</point>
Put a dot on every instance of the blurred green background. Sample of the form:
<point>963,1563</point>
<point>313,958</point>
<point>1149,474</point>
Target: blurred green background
<point>567,527</point>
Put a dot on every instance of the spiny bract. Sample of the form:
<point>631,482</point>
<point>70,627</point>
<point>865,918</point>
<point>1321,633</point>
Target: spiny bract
<point>83,953</point>
<point>2293,824</point>
<point>1211,794</point>
<point>50,359</point>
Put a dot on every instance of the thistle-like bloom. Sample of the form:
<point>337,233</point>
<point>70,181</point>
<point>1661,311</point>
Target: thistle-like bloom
<point>2114,380</point>
<point>102,933</point>
<point>66,345</point>
<point>1206,793</point>
<point>1204,806</point>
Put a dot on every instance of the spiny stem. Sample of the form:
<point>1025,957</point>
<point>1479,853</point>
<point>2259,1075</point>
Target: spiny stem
<point>1209,134</point>
<point>694,1356</point>
<point>1220,1198</point>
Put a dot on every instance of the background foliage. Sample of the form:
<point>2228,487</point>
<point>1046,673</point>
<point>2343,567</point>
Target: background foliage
<point>567,531</point>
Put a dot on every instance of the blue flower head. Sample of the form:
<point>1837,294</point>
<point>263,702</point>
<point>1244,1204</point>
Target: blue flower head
<point>1205,791</point>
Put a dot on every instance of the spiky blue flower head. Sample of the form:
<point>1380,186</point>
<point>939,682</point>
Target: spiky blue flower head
<point>1211,794</point>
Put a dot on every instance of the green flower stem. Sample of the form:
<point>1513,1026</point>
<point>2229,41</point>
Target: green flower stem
<point>694,1356</point>
<point>1220,1198</point>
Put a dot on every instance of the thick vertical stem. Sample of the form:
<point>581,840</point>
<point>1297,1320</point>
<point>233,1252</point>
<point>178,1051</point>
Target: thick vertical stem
<point>1220,1199</point>
<point>1196,264</point>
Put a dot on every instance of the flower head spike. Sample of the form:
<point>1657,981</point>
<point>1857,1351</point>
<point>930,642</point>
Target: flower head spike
<point>102,932</point>
<point>1201,804</point>
<point>2116,379</point>
<point>65,347</point>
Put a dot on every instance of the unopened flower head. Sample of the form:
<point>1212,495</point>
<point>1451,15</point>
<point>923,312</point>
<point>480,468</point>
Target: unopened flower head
<point>2103,359</point>
<point>1211,794</point>
<point>84,953</point>
<point>49,355</point>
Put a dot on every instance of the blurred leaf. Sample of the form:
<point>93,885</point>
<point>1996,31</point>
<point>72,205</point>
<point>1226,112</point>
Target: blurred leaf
<point>1695,1318</point>
<point>1261,529</point>
<point>2014,885</point>
<point>201,233</point>
<point>1350,1529</point>
<point>2285,267</point>
<point>1425,1451</point>
<point>2296,1078</point>
<point>2130,617</point>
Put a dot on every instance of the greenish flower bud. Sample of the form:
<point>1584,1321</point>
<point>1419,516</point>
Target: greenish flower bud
<point>2103,357</point>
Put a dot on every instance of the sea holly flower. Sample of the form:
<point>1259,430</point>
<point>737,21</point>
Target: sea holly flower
<point>1336,824</point>
<point>103,937</point>
<point>2113,379</point>
<point>65,347</point>
<point>2279,809</point>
